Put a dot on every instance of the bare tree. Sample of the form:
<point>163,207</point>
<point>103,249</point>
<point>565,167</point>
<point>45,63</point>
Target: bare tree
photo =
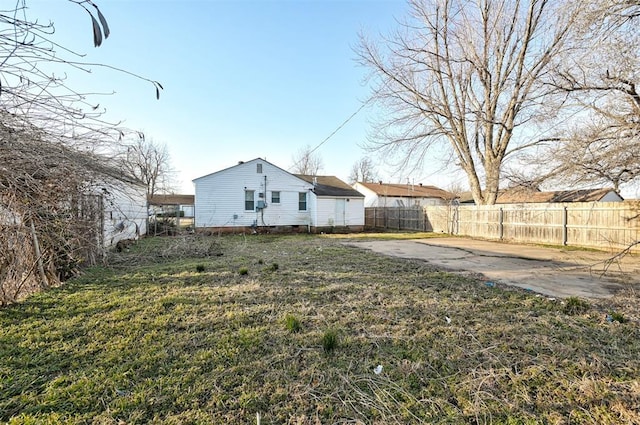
<point>601,78</point>
<point>596,154</point>
<point>33,69</point>
<point>307,162</point>
<point>363,170</point>
<point>148,162</point>
<point>468,75</point>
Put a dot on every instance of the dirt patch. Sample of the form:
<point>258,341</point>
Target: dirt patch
<point>548,271</point>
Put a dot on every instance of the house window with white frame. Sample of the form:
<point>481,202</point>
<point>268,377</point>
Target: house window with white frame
<point>248,200</point>
<point>259,168</point>
<point>275,197</point>
<point>302,201</point>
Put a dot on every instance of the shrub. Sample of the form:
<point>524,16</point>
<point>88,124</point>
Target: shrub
<point>243,271</point>
<point>200,268</point>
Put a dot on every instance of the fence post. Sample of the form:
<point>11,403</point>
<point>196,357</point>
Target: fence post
<point>386,218</point>
<point>501,223</point>
<point>565,233</point>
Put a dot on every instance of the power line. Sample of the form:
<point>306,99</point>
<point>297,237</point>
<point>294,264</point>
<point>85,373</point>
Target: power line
<point>339,127</point>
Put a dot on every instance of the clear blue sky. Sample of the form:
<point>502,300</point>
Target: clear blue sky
<point>242,79</point>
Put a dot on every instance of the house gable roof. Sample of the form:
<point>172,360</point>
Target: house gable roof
<point>330,186</point>
<point>241,164</point>
<point>407,190</point>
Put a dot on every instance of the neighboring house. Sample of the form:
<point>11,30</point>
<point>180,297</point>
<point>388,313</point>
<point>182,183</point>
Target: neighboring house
<point>125,212</point>
<point>170,205</point>
<point>402,195</point>
<point>518,196</point>
<point>525,195</point>
<point>258,194</point>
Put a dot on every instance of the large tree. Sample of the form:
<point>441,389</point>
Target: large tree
<point>467,75</point>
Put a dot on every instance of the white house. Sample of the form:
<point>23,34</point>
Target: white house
<point>258,194</point>
<point>402,195</point>
<point>125,211</point>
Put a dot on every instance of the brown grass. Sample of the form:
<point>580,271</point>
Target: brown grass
<point>155,341</point>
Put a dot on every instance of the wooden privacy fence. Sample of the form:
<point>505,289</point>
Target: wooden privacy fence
<point>397,218</point>
<point>611,225</point>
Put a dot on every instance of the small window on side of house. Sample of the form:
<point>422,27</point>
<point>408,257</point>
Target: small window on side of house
<point>259,168</point>
<point>249,204</point>
<point>275,197</point>
<point>302,201</point>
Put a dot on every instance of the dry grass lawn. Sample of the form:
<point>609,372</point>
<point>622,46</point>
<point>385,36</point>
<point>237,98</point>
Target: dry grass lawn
<point>292,329</point>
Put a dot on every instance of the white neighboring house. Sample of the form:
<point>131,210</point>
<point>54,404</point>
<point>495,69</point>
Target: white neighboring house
<point>125,211</point>
<point>402,195</point>
<point>256,194</point>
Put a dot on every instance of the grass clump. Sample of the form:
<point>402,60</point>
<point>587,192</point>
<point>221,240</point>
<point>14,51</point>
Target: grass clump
<point>615,316</point>
<point>243,271</point>
<point>292,323</point>
<point>273,267</point>
<point>574,306</point>
<point>200,268</point>
<point>330,340</point>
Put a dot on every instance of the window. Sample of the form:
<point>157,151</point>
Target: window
<point>275,197</point>
<point>248,200</point>
<point>302,201</point>
<point>259,168</point>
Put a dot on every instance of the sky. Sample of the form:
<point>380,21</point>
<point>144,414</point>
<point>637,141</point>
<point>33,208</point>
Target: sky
<point>242,79</point>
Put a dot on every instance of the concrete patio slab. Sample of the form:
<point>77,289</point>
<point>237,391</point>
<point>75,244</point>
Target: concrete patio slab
<point>554,272</point>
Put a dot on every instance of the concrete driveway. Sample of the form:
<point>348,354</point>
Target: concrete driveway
<point>549,271</point>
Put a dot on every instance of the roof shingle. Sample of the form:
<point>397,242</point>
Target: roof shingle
<point>330,186</point>
<point>407,190</point>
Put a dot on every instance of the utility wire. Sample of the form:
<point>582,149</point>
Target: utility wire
<point>340,127</point>
<point>332,133</point>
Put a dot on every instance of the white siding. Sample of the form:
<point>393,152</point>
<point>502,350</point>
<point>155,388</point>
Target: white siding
<point>339,212</point>
<point>125,213</point>
<point>372,199</point>
<point>355,212</point>
<point>220,197</point>
<point>611,197</point>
